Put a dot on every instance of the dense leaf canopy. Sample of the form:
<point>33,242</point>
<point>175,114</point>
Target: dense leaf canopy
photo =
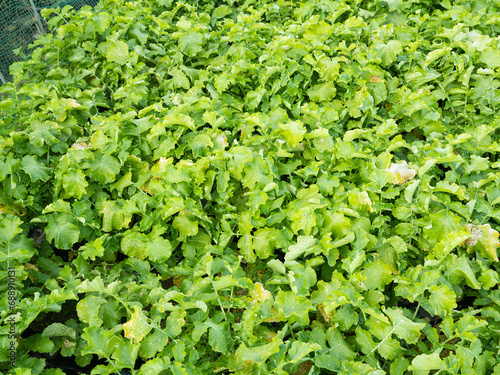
<point>255,187</point>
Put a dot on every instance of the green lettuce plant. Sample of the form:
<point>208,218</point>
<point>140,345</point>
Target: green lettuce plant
<point>254,187</point>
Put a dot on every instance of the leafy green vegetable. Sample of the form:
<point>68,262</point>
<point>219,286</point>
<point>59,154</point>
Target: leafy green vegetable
<point>254,187</point>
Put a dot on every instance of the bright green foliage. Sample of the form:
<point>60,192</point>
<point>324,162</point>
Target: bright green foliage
<point>255,187</point>
<point>117,52</point>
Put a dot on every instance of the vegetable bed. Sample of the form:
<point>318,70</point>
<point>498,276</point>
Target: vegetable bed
<point>253,187</point>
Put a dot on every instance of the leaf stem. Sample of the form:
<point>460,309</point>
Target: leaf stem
<point>388,335</point>
<point>416,311</point>
<point>291,331</point>
<point>218,298</point>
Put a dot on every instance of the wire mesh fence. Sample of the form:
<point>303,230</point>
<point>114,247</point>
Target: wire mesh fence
<point>21,24</point>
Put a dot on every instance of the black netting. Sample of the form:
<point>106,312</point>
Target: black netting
<point>21,24</point>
